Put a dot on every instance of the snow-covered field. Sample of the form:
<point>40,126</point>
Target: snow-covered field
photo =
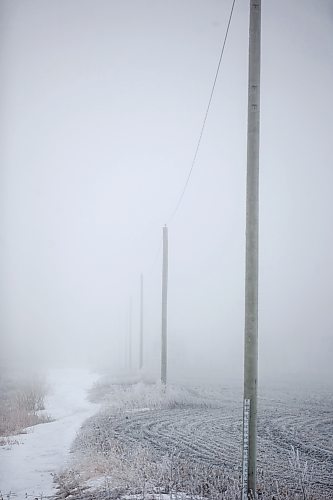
<point>151,442</point>
<point>200,431</point>
<point>27,468</point>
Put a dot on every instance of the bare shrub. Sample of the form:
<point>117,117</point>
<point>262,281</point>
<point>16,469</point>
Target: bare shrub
<point>31,395</point>
<point>21,405</point>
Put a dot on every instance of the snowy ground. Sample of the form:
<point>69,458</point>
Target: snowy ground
<point>145,437</point>
<point>148,442</point>
<point>27,468</point>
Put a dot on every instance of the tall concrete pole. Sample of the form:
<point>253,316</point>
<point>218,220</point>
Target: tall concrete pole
<point>164,307</point>
<point>130,335</point>
<point>251,278</point>
<point>141,323</point>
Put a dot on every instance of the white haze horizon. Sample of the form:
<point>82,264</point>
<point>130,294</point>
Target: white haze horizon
<point>102,104</point>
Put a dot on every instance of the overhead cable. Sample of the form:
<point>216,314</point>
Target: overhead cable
<point>180,199</point>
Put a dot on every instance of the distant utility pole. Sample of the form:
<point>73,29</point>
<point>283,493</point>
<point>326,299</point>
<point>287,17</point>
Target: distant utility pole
<point>141,323</point>
<point>251,274</point>
<point>164,307</point>
<point>130,335</point>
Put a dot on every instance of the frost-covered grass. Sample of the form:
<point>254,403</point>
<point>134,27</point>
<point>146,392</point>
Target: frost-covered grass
<point>137,474</point>
<point>21,404</point>
<point>148,442</point>
<point>136,471</point>
<point>148,396</point>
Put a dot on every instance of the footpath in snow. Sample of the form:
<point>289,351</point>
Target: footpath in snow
<point>27,468</point>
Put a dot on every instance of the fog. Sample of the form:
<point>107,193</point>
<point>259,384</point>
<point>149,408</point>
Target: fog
<point>102,103</point>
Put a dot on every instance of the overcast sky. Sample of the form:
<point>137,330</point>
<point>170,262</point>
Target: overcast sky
<point>102,102</point>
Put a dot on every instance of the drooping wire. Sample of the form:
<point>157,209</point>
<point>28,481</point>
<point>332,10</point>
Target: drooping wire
<point>157,254</point>
<point>180,199</point>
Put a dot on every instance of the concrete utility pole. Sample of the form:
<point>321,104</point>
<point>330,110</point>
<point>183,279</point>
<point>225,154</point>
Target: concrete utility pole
<point>251,278</point>
<point>164,306</point>
<point>141,323</point>
<point>130,335</point>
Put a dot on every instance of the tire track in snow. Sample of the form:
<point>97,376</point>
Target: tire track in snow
<point>212,436</point>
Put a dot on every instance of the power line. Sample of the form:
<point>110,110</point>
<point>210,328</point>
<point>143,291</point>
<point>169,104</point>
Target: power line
<point>157,254</point>
<point>205,117</point>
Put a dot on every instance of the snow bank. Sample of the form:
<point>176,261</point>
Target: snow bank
<point>27,469</point>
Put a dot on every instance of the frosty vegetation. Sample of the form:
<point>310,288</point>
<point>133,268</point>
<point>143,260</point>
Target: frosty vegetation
<point>21,404</point>
<point>149,441</point>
